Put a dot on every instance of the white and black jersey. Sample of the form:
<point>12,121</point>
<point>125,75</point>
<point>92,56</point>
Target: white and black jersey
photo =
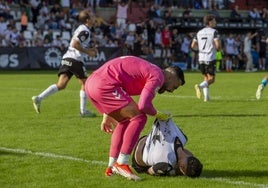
<point>160,146</point>
<point>82,34</point>
<point>205,39</point>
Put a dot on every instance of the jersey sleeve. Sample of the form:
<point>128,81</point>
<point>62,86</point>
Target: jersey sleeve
<point>145,103</point>
<point>148,93</point>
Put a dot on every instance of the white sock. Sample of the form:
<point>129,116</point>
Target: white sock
<point>123,158</point>
<point>203,84</point>
<point>206,92</point>
<point>49,91</point>
<point>112,160</point>
<point>83,101</point>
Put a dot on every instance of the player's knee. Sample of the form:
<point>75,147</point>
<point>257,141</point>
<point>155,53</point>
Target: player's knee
<point>140,118</point>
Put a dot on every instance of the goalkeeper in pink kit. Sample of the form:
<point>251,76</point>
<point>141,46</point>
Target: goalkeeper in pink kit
<point>110,88</point>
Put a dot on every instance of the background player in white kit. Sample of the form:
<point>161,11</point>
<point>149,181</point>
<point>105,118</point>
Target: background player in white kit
<point>207,41</point>
<point>73,64</point>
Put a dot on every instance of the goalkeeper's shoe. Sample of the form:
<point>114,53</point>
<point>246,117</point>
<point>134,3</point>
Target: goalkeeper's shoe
<point>108,172</point>
<point>198,91</point>
<point>125,171</point>
<point>259,91</point>
<point>36,104</point>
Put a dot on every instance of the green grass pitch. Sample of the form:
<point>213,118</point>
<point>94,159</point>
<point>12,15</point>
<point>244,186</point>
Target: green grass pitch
<point>58,148</point>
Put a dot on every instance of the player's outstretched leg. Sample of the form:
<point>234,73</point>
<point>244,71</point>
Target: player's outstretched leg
<point>198,91</point>
<point>259,91</point>
<point>36,104</point>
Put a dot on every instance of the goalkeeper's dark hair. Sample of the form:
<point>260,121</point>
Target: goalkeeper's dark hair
<point>194,167</point>
<point>180,74</point>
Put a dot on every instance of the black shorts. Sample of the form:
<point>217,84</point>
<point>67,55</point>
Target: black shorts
<point>207,67</point>
<point>135,165</point>
<point>72,67</point>
<point>262,54</point>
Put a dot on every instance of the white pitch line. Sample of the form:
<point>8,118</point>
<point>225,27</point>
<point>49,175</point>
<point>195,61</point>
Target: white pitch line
<point>52,155</point>
<point>225,180</point>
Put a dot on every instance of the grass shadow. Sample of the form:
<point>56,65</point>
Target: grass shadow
<point>4,153</point>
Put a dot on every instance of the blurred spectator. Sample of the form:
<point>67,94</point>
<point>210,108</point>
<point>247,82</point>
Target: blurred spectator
<point>14,37</point>
<point>254,14</point>
<point>7,35</point>
<point>235,15</point>
<point>187,14</point>
<point>24,21</point>
<point>38,38</point>
<point>140,28</point>
<point>103,41</point>
<point>5,10</point>
<point>237,61</point>
<point>158,2</point>
<point>44,9</point>
<point>129,43</point>
<point>46,43</point>
<point>261,49</point>
<point>264,15</point>
<point>25,6</point>
<point>110,43</point>
<point>56,9</point>
<point>205,4</point>
<point>121,14</point>
<point>216,13</point>
<point>62,21</point>
<point>220,4</point>
<point>247,51</point>
<point>197,4</point>
<point>185,49</point>
<point>48,38</point>
<point>229,47</point>
<point>155,13</point>
<point>175,44</point>
<point>74,12</point>
<point>42,21</point>
<point>22,41</point>
<point>168,19</point>
<point>158,38</point>
<point>138,45</point>
<point>193,54</point>
<point>57,42</point>
<point>35,6</point>
<point>151,30</point>
<point>166,42</point>
<point>66,4</point>
<point>3,27</point>
<point>93,4</point>
<point>102,24</point>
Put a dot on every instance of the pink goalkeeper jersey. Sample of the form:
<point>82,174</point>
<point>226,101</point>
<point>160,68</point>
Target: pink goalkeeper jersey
<point>134,75</point>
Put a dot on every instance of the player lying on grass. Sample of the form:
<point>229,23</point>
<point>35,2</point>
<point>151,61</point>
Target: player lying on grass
<point>162,152</point>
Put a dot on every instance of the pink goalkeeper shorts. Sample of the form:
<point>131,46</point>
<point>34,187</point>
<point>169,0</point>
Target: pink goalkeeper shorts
<point>106,97</point>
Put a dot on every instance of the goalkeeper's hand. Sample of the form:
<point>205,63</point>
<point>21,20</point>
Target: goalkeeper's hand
<point>163,116</point>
